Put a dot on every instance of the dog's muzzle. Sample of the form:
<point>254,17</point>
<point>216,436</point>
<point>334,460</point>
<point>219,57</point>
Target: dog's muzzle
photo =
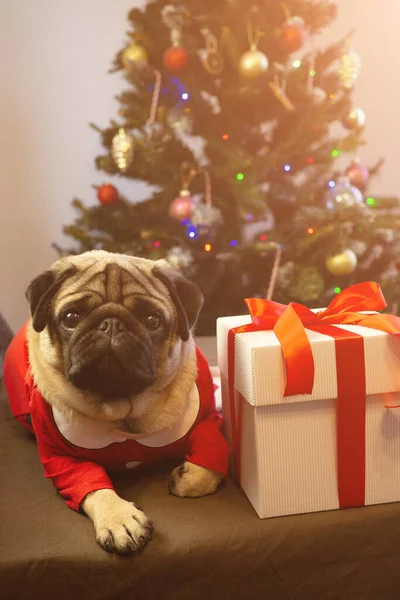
<point>112,361</point>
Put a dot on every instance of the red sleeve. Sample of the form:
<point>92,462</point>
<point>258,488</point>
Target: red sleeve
<point>74,478</point>
<point>205,445</point>
<point>17,378</point>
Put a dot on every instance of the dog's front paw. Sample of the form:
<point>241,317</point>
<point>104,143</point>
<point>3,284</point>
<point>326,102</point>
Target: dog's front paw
<point>190,480</point>
<point>120,526</point>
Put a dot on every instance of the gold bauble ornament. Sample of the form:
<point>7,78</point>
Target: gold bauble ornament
<point>350,69</point>
<point>342,263</point>
<point>122,149</point>
<point>134,56</point>
<point>253,62</point>
<point>355,119</point>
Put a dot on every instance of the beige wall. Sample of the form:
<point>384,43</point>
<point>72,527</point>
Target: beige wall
<point>55,55</point>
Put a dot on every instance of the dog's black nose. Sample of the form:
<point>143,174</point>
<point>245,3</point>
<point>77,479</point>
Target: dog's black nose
<point>112,326</point>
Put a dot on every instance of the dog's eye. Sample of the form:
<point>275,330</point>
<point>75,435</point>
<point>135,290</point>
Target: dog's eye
<point>71,320</point>
<point>152,321</point>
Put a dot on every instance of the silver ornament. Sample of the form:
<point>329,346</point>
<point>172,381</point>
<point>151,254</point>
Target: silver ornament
<point>180,122</point>
<point>355,119</point>
<point>343,195</point>
<point>122,149</point>
<point>179,258</point>
<point>206,215</point>
<point>350,68</point>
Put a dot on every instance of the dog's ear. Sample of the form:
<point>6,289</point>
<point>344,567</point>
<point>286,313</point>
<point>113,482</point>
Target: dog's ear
<point>186,296</point>
<point>40,293</point>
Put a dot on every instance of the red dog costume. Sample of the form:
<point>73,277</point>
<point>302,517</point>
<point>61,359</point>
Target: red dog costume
<point>75,458</point>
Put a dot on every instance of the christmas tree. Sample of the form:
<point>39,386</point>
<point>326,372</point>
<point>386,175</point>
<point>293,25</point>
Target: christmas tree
<point>228,113</point>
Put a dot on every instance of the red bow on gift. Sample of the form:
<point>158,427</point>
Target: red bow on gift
<point>289,324</point>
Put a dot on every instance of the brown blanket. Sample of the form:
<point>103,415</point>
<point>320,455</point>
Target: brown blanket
<point>211,548</point>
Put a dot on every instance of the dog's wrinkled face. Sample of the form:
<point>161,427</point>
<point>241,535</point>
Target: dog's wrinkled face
<point>112,321</point>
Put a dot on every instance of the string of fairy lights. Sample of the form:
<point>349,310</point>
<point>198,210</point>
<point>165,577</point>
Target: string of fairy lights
<point>201,218</point>
<point>191,229</point>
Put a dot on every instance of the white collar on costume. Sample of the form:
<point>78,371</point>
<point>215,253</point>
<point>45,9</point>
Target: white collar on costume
<point>91,434</point>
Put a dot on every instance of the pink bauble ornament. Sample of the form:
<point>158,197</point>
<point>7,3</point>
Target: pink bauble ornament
<point>182,207</point>
<point>358,175</point>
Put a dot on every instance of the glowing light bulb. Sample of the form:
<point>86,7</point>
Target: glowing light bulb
<point>225,137</point>
<point>207,247</point>
<point>337,290</point>
<point>240,176</point>
<point>310,230</point>
<point>335,153</point>
<point>233,243</point>
<point>156,244</point>
<point>296,64</point>
<point>331,183</point>
<point>192,231</point>
<point>287,168</point>
<point>185,96</point>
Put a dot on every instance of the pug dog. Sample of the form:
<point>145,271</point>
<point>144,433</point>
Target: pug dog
<point>108,377</point>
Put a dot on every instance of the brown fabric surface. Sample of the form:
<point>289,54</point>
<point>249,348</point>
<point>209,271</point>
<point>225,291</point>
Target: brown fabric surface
<point>209,548</point>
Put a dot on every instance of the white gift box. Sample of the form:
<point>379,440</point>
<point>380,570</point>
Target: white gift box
<point>288,445</point>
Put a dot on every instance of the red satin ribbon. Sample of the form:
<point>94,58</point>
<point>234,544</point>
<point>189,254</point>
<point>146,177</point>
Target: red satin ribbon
<point>289,323</point>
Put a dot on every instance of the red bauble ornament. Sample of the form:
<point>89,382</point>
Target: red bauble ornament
<point>293,35</point>
<point>107,194</point>
<point>175,59</point>
<point>358,175</point>
<point>182,207</point>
